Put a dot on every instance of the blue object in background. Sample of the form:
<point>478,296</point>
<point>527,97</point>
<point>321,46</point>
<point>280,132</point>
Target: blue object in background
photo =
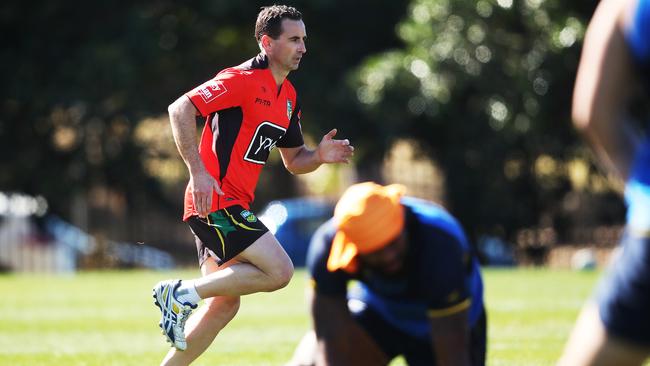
<point>293,221</point>
<point>496,252</point>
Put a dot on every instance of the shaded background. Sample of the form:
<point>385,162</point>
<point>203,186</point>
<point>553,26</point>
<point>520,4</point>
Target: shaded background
<point>466,102</point>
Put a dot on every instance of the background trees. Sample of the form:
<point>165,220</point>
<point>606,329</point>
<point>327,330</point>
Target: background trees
<point>483,87</point>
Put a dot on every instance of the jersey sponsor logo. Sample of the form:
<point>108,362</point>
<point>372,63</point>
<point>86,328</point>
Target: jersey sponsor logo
<point>264,140</point>
<point>264,102</point>
<point>212,90</point>
<point>289,109</point>
<point>248,216</point>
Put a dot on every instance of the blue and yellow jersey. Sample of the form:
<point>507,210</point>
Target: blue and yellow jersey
<point>441,275</point>
<point>637,193</point>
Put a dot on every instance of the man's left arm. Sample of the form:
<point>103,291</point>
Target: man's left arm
<point>449,294</point>
<point>300,160</point>
<point>450,337</point>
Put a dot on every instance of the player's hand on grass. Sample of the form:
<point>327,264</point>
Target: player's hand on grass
<point>334,151</point>
<point>202,184</point>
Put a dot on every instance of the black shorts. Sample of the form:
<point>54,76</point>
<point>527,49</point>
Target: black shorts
<point>416,351</point>
<point>225,233</point>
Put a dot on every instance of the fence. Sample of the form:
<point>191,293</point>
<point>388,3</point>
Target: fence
<point>31,242</point>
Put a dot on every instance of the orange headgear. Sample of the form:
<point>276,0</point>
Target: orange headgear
<point>368,217</point>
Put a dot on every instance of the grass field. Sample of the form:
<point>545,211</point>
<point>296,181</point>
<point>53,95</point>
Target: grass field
<point>108,318</point>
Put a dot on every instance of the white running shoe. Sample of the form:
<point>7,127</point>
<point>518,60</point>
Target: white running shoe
<point>174,313</point>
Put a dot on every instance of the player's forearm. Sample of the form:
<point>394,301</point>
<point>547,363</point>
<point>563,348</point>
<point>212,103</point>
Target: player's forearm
<point>609,136</point>
<point>450,339</point>
<point>333,345</point>
<point>601,90</point>
<point>182,116</point>
<point>305,161</point>
<point>348,345</point>
<point>615,147</point>
<point>452,355</point>
<point>341,341</point>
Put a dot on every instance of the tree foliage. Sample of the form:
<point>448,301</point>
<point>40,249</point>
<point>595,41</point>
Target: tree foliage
<point>485,87</point>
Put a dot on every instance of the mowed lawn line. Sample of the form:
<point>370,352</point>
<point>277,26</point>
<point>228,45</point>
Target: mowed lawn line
<point>531,313</point>
<point>107,318</point>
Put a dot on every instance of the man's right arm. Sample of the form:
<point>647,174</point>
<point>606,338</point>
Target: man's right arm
<point>602,86</point>
<point>182,116</point>
<point>341,341</point>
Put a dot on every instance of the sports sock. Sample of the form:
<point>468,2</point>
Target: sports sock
<point>186,292</point>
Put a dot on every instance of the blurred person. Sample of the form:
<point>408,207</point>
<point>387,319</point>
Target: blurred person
<point>250,109</point>
<point>614,327</point>
<point>417,287</point>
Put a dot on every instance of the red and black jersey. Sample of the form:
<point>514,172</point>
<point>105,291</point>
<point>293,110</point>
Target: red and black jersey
<point>247,116</point>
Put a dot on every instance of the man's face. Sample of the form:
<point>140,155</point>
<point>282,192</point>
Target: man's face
<point>389,259</point>
<point>288,49</point>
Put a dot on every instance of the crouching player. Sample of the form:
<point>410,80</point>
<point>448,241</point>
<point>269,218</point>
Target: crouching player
<point>418,289</point>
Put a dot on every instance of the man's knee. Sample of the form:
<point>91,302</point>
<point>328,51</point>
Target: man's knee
<point>286,274</point>
<point>281,275</point>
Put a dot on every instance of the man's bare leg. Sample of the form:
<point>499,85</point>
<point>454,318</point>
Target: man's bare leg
<point>264,266</point>
<point>202,327</point>
<point>590,345</point>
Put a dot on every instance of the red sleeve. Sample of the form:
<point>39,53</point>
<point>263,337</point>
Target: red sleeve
<point>222,92</point>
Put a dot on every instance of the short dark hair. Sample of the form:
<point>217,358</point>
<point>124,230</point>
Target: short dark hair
<point>269,20</point>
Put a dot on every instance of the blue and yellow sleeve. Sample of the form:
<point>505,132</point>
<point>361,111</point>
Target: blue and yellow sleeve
<point>321,280</point>
<point>638,32</point>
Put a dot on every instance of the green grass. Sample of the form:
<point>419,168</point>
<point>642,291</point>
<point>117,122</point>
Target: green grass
<point>531,313</point>
<point>108,318</point>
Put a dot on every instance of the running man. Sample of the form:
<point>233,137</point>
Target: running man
<point>615,328</point>
<point>249,109</point>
